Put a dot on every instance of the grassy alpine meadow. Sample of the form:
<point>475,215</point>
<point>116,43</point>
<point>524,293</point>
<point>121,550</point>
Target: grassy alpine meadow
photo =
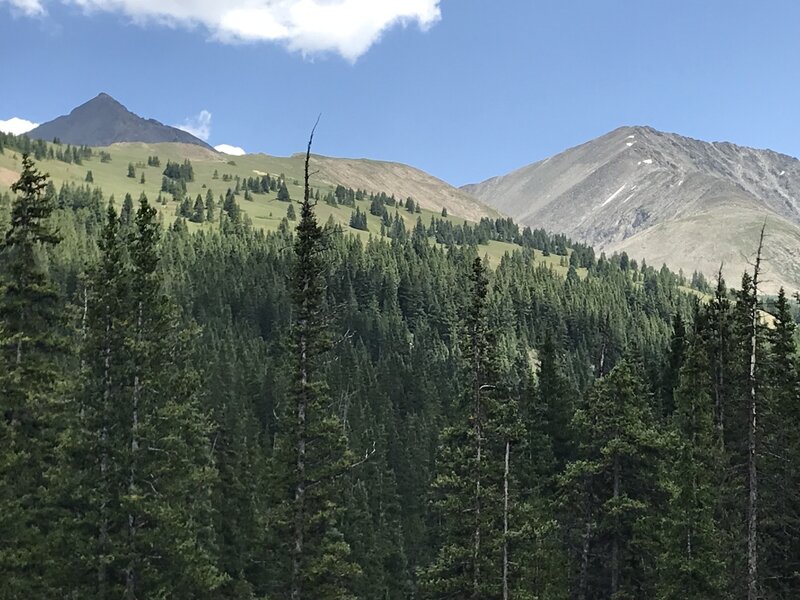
<point>217,172</point>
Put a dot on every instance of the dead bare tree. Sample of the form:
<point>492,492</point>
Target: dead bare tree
<point>301,424</point>
<point>752,466</point>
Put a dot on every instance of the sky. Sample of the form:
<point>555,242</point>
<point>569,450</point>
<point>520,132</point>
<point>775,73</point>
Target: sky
<point>463,89</point>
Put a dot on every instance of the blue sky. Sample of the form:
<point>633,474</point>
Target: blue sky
<point>464,89</point>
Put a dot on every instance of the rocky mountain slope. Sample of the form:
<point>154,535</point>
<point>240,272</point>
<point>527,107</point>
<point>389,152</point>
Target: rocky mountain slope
<point>103,121</point>
<point>666,198</point>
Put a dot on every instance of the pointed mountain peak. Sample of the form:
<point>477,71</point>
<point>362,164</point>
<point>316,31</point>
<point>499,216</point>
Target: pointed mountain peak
<point>103,121</point>
<point>101,103</point>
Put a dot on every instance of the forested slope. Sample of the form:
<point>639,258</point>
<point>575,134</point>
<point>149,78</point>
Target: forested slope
<point>301,413</point>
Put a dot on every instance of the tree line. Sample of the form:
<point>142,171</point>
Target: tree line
<point>300,414</point>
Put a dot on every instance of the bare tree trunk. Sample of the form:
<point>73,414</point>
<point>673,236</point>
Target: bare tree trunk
<point>615,536</point>
<point>505,521</point>
<point>103,534</point>
<point>84,319</point>
<point>752,501</point>
<point>720,375</point>
<point>300,486</point>
<point>602,362</point>
<point>476,553</point>
<point>583,580</point>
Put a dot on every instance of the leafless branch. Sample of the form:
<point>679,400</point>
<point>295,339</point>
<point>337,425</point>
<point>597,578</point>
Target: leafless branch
<point>307,186</point>
<point>367,455</point>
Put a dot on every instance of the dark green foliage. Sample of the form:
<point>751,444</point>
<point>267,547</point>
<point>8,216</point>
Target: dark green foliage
<point>198,335</point>
<point>612,489</point>
<point>198,212</point>
<point>210,206</point>
<point>780,467</point>
<point>358,220</point>
<point>140,440</point>
<point>377,206</point>
<point>486,523</point>
<point>131,171</point>
<point>126,214</point>
<point>32,348</point>
<point>177,171</point>
<point>283,193</point>
<point>311,458</point>
<point>693,545</point>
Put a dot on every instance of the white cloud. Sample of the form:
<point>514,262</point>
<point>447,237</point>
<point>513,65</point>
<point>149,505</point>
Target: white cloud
<point>198,126</point>
<point>31,8</point>
<point>17,126</point>
<point>348,27</point>
<point>232,150</point>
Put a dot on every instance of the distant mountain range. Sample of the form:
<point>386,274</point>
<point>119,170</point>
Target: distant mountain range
<point>659,196</point>
<point>666,198</point>
<point>103,121</point>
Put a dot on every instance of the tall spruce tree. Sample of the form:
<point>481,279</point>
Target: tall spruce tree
<point>167,454</point>
<point>138,452</point>
<point>476,500</point>
<point>781,469</point>
<point>32,346</point>
<point>311,459</point>
<point>692,562</point>
<point>91,445</point>
<point>612,489</point>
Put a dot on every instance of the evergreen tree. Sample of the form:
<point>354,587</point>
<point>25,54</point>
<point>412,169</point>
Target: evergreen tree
<point>314,441</point>
<point>358,220</point>
<point>612,490</point>
<point>165,460</point>
<point>126,215</point>
<point>283,193</point>
<point>692,564</point>
<point>675,361</point>
<point>780,417</point>
<point>185,209</point>
<point>475,476</point>
<point>198,211</point>
<point>210,206</point>
<point>31,352</point>
<point>131,171</point>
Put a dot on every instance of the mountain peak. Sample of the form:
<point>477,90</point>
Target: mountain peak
<point>103,121</point>
<point>103,98</point>
<point>662,196</point>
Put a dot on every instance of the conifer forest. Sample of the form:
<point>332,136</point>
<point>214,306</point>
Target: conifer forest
<point>307,415</point>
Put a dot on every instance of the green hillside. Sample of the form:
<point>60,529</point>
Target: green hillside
<point>218,173</point>
<point>159,387</point>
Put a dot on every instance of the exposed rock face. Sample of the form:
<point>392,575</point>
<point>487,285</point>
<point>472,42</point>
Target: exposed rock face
<point>666,198</point>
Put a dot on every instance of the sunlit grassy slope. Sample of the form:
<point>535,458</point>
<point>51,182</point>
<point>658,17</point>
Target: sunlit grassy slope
<point>264,210</point>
